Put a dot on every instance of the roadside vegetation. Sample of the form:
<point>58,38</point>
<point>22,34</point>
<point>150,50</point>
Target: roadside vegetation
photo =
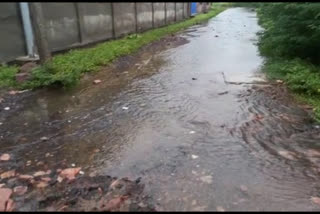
<point>245,4</point>
<point>66,69</point>
<point>290,44</point>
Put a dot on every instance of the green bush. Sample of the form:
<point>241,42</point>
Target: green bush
<point>291,30</point>
<point>306,80</point>
<point>290,43</point>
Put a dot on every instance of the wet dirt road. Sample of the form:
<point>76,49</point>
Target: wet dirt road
<point>194,119</point>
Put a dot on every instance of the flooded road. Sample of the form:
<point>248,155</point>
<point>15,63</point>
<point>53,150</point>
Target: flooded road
<point>194,118</point>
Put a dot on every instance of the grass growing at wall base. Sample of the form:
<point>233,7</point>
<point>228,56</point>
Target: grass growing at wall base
<point>66,69</point>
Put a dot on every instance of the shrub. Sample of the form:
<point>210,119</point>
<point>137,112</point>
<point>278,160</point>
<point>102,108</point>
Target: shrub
<point>291,30</point>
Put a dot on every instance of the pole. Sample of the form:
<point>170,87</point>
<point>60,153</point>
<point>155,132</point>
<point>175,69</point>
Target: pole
<point>165,13</point>
<point>152,4</point>
<point>40,32</point>
<point>136,16</point>
<point>27,27</point>
<point>113,21</point>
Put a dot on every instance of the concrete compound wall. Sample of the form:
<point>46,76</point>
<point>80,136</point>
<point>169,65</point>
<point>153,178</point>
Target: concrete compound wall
<point>124,18</point>
<point>159,14</point>
<point>96,21</point>
<point>203,7</point>
<point>12,42</point>
<point>170,12</point>
<point>186,10</point>
<point>61,25</point>
<point>199,7</point>
<point>179,11</point>
<point>70,25</point>
<point>144,16</point>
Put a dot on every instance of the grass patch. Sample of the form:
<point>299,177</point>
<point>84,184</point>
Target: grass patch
<point>301,77</point>
<point>7,76</point>
<point>66,69</point>
<point>313,101</point>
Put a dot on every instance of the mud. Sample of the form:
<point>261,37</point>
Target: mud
<point>87,193</point>
<point>98,193</point>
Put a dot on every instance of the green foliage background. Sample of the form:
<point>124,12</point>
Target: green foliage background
<point>290,43</point>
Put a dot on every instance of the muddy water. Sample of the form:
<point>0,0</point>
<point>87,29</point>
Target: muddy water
<point>193,117</point>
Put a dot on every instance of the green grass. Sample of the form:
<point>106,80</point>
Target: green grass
<point>313,101</point>
<point>66,69</point>
<point>301,77</point>
<point>7,76</point>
